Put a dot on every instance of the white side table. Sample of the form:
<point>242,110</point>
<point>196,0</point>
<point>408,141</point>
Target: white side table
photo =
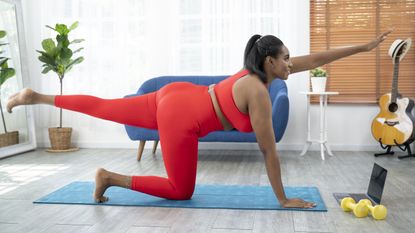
<point>323,123</point>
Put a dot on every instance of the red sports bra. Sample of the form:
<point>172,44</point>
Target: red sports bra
<point>223,92</point>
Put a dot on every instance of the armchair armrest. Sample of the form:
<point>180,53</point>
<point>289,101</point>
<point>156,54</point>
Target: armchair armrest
<point>131,95</point>
<point>139,92</point>
<point>280,107</point>
<point>280,112</point>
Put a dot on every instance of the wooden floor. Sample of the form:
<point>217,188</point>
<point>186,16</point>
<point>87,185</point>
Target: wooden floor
<point>27,177</point>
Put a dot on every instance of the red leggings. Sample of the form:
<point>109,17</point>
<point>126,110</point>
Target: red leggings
<point>182,112</point>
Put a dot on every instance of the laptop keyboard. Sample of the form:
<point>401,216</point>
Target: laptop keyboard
<point>356,196</point>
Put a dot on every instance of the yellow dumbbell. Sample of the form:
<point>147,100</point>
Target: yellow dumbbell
<point>378,212</point>
<point>359,210</point>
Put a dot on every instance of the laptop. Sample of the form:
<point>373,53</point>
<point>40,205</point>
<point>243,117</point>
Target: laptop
<point>375,189</point>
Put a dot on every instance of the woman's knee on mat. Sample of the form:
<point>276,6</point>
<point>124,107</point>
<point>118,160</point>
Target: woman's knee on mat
<point>182,194</point>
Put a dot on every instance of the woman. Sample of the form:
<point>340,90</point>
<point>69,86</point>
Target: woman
<point>240,101</point>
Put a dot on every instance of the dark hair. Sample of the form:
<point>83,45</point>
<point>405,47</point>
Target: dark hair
<point>257,49</point>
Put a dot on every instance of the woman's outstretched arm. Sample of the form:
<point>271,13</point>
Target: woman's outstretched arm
<point>308,62</point>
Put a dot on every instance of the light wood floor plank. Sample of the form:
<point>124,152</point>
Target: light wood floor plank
<point>273,222</point>
<point>235,219</point>
<point>148,230</point>
<point>193,220</point>
<point>67,228</point>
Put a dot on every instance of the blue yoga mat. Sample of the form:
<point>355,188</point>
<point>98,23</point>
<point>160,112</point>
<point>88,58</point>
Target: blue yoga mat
<point>205,196</point>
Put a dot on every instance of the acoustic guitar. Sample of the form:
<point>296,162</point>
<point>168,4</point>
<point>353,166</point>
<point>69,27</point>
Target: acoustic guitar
<point>394,125</point>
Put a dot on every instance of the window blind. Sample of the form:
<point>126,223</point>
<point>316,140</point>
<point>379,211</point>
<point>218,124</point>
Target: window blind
<point>364,77</point>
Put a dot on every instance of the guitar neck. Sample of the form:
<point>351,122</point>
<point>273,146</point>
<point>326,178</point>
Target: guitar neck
<point>395,80</point>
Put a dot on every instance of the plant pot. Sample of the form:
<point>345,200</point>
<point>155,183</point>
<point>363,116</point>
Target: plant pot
<point>318,84</point>
<point>60,138</point>
<point>10,138</point>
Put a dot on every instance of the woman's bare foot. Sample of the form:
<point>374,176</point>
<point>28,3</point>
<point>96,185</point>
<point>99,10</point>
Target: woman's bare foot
<point>101,184</point>
<point>23,97</point>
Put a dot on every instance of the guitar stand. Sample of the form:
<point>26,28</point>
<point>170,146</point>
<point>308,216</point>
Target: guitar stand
<point>404,147</point>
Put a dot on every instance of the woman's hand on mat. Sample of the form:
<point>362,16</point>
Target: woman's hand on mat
<point>297,203</point>
<point>374,43</point>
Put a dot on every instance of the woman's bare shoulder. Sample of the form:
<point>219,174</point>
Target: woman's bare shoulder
<point>251,84</point>
<point>249,91</point>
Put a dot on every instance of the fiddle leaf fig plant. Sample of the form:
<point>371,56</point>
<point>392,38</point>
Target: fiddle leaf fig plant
<point>6,72</point>
<point>57,56</point>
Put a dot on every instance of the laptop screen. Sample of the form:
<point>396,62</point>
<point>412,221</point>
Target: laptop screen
<point>377,183</point>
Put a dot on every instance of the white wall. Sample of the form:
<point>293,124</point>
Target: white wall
<point>349,125</point>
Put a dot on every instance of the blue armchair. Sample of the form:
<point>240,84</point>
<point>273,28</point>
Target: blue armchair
<point>280,106</point>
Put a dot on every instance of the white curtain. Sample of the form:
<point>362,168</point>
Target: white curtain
<point>130,41</point>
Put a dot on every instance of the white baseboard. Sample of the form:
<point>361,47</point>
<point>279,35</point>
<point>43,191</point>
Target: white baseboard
<point>224,146</point>
<point>149,145</point>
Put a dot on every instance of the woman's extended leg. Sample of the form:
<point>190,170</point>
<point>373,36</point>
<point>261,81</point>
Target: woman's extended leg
<point>28,96</point>
<point>136,111</point>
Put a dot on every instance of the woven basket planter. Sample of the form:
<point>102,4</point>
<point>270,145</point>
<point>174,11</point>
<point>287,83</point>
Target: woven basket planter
<point>8,139</point>
<point>60,138</point>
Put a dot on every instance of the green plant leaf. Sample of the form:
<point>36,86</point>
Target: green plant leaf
<point>78,50</point>
<point>62,29</point>
<point>46,58</point>
<point>3,63</point>
<point>65,54</point>
<point>51,27</point>
<point>73,26</point>
<point>49,46</point>
<point>63,41</point>
<point>4,44</point>
<point>77,41</point>
<point>46,69</point>
<point>6,74</point>
<point>74,62</point>
<point>78,60</point>
<point>3,34</point>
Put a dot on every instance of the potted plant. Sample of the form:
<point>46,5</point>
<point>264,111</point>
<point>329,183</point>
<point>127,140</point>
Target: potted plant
<point>318,79</point>
<point>6,72</point>
<point>57,57</point>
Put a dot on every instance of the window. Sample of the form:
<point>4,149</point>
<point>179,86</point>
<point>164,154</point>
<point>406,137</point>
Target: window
<point>364,77</point>
<point>140,39</point>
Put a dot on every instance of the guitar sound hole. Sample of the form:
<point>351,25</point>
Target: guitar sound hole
<point>393,107</point>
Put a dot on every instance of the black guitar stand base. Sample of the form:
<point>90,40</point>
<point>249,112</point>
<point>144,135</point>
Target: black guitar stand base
<point>404,147</point>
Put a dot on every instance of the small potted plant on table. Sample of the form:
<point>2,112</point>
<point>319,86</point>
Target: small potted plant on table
<point>318,79</point>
